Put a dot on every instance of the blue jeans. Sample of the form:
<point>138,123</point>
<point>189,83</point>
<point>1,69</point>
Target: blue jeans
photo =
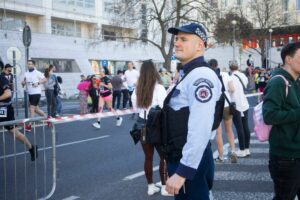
<point>286,177</point>
<point>51,103</point>
<point>58,105</point>
<point>198,188</point>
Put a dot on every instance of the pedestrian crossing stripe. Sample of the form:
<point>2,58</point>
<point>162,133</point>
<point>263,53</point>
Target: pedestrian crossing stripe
<point>221,195</point>
<point>242,176</point>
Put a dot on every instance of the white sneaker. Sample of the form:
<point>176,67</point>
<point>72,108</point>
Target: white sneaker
<point>164,192</point>
<point>241,153</point>
<point>158,184</point>
<point>96,125</point>
<point>152,189</point>
<point>119,121</point>
<point>247,152</point>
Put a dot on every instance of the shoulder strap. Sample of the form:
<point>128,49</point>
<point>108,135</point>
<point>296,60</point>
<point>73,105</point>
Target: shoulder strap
<point>188,70</point>
<point>286,83</point>
<point>241,82</point>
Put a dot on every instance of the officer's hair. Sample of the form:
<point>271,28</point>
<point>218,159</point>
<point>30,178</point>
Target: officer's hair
<point>146,84</point>
<point>33,62</point>
<point>289,50</point>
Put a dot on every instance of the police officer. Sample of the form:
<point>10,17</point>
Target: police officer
<point>7,114</point>
<point>190,109</point>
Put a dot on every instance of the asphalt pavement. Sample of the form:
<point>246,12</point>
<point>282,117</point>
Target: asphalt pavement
<point>104,164</point>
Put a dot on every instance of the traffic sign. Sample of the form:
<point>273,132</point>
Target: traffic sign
<point>26,36</point>
<point>10,51</point>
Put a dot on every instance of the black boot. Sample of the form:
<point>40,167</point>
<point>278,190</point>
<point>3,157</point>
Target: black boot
<point>33,152</point>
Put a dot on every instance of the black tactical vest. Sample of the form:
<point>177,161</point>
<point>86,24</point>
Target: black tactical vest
<point>175,123</point>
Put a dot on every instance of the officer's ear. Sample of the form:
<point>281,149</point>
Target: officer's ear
<point>200,44</point>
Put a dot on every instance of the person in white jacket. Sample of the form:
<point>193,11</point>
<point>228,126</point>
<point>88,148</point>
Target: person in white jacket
<point>148,93</point>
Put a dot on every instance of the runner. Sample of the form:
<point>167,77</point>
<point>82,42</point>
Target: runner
<point>33,79</point>
<point>106,97</point>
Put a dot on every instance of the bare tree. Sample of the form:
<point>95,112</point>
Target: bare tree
<point>154,17</point>
<point>223,31</point>
<point>266,14</point>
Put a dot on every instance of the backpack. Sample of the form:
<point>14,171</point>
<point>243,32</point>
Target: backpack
<point>262,130</point>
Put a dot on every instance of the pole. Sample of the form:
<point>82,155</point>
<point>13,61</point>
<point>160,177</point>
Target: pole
<point>270,63</point>
<point>25,91</point>
<point>15,86</point>
<point>234,42</point>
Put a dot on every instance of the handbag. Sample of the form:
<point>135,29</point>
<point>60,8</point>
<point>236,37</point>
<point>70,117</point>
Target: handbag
<point>137,131</point>
<point>232,105</point>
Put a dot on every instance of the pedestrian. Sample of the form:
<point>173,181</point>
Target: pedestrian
<point>165,78</point>
<point>250,62</point>
<point>240,116</point>
<point>94,94</point>
<point>7,72</point>
<point>150,93</point>
<point>189,112</point>
<point>117,83</point>
<point>131,77</point>
<point>227,118</point>
<point>281,109</point>
<point>6,105</point>
<point>83,87</point>
<point>106,98</point>
<point>125,92</point>
<point>33,79</point>
<point>49,90</point>
<point>59,98</point>
<point>82,78</point>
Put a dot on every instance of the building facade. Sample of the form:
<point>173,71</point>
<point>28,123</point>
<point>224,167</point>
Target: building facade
<point>77,36</point>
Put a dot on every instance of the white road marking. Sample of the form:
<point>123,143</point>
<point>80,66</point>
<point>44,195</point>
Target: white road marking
<point>58,146</point>
<point>71,198</point>
<point>136,175</point>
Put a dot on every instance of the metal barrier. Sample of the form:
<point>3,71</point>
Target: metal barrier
<point>22,179</point>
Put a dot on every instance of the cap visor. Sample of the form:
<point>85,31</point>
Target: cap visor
<point>175,31</point>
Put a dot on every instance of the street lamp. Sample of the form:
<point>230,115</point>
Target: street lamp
<point>234,22</point>
<point>270,53</point>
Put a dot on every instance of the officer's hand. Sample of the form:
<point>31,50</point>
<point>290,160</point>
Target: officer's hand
<point>174,183</point>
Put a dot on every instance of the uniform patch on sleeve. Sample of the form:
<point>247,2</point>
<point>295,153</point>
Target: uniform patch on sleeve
<point>203,93</point>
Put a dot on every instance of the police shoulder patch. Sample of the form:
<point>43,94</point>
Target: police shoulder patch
<point>203,93</point>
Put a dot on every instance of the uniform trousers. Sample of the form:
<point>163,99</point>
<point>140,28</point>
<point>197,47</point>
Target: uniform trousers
<point>199,187</point>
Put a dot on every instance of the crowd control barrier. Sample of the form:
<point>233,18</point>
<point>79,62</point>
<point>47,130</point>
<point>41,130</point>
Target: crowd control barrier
<point>21,178</point>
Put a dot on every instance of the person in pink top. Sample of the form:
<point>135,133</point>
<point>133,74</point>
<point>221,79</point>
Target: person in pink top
<point>83,88</point>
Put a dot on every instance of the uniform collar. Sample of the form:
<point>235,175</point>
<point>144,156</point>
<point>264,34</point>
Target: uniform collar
<point>192,63</point>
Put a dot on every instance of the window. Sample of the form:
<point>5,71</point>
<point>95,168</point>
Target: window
<point>285,5</point>
<point>298,4</point>
<point>239,2</point>
<point>291,40</point>
<point>66,28</point>
<point>111,8</point>
<point>62,65</point>
<point>12,22</point>
<point>109,35</point>
<point>80,6</point>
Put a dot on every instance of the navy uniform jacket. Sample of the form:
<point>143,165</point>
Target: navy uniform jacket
<point>199,90</point>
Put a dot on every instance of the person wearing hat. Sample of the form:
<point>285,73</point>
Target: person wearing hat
<point>191,102</point>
